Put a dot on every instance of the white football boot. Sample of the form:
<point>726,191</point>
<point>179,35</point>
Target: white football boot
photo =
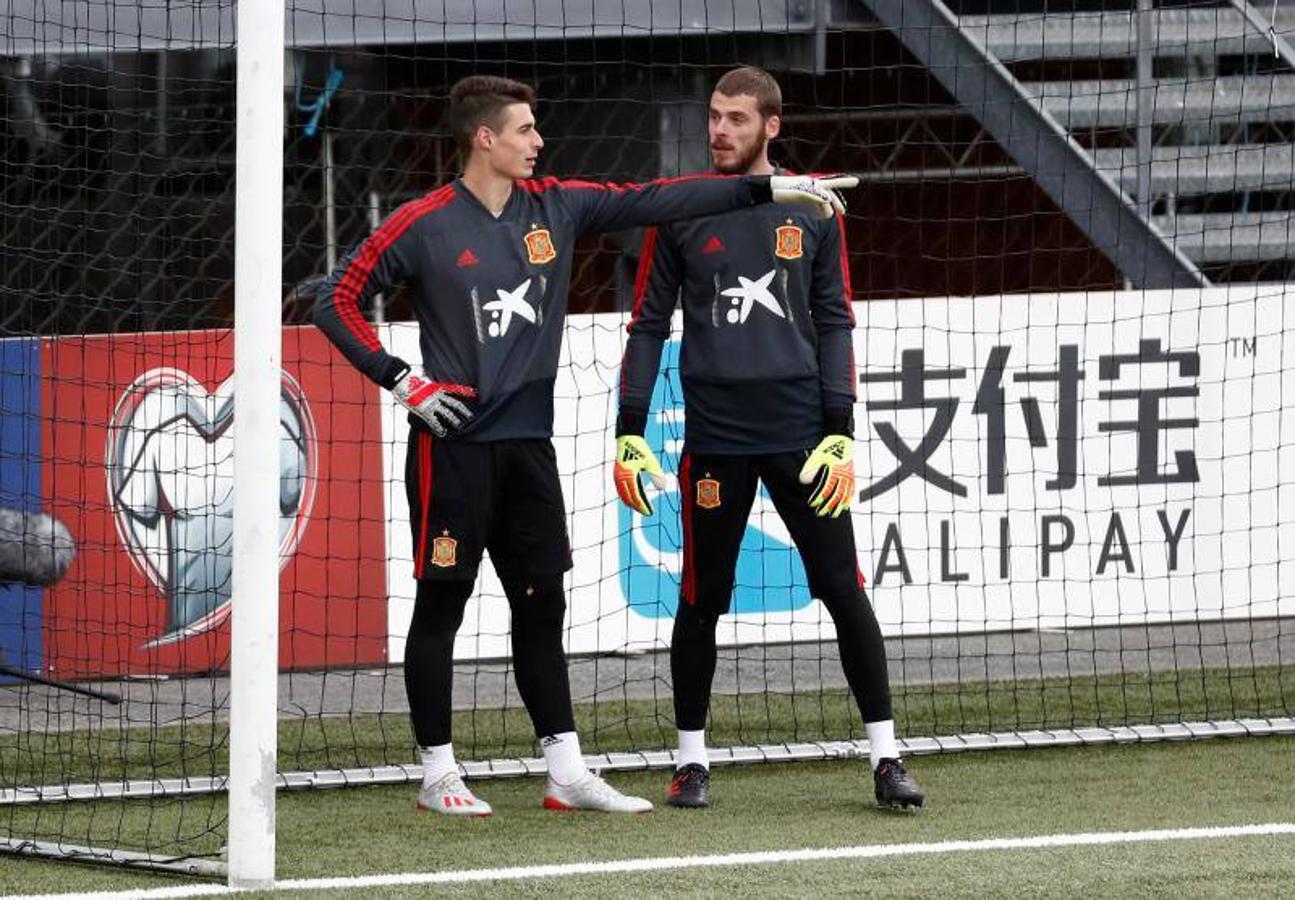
<point>591,792</point>
<point>451,797</point>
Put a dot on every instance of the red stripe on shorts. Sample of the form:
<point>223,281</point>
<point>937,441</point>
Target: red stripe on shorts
<point>689,564</point>
<point>424,499</point>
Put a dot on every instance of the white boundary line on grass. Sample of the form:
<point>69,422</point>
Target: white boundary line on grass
<point>616,867</point>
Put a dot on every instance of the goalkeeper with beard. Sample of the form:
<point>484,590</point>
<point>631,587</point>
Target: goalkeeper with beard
<point>768,380</point>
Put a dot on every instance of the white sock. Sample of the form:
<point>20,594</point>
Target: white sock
<point>692,749</point>
<point>881,741</point>
<point>438,762</point>
<point>562,754</point>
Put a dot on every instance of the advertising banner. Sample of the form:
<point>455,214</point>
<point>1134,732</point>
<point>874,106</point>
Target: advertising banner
<point>138,463</point>
<point>1023,462</point>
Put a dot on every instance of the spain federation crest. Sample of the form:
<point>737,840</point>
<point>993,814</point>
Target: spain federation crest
<point>789,242</point>
<point>445,551</point>
<point>539,246</point>
<point>708,493</point>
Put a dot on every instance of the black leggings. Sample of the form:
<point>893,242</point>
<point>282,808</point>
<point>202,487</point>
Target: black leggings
<point>863,656</point>
<point>538,605</point>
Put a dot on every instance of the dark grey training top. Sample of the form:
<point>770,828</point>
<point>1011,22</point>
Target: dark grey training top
<point>767,363</point>
<point>490,293</point>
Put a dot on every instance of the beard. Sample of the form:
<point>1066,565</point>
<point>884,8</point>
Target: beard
<point>742,163</point>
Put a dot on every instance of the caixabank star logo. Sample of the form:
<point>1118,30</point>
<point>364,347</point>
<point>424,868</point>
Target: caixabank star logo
<point>770,577</point>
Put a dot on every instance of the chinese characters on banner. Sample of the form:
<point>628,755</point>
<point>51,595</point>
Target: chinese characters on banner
<point>1149,426</point>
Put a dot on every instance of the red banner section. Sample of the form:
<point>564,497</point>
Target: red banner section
<point>138,448</point>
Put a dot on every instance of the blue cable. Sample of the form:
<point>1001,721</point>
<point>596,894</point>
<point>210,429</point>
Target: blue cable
<point>317,106</point>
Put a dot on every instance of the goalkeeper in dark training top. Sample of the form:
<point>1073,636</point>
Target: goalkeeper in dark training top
<point>487,259</point>
<point>768,381</point>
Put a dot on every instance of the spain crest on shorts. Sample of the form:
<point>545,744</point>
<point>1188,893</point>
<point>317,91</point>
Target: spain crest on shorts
<point>539,246</point>
<point>708,493</point>
<point>789,244</point>
<point>445,551</point>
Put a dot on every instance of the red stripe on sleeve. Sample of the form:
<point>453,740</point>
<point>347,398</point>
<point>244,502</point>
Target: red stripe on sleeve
<point>346,297</point>
<point>848,293</point>
<point>644,274</point>
<point>539,185</point>
<point>641,279</point>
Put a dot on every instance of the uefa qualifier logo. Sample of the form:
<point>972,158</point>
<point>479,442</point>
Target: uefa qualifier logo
<point>170,460</point>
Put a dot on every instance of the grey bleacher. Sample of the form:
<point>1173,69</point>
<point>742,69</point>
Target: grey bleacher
<point>1220,114</point>
<point>1106,35</point>
<point>1177,101</point>
<point>1227,237</point>
<point>1205,168</point>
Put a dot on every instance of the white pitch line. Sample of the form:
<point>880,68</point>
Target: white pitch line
<point>624,866</point>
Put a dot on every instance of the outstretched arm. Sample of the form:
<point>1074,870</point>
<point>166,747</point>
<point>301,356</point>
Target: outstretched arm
<point>611,207</point>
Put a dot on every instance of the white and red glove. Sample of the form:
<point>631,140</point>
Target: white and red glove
<point>820,194</point>
<point>435,402</point>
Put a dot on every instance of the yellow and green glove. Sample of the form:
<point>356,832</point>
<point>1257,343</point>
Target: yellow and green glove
<point>832,463</point>
<point>634,458</point>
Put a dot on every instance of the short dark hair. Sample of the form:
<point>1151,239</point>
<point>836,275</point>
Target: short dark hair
<point>756,83</point>
<point>481,100</point>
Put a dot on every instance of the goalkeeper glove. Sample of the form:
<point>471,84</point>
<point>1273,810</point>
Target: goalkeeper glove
<point>817,193</point>
<point>633,458</point>
<point>832,463</point>
<point>435,402</point>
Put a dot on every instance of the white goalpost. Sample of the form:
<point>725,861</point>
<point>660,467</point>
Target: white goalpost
<point>258,266</point>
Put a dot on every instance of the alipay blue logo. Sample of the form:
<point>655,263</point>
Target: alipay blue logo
<point>770,576</point>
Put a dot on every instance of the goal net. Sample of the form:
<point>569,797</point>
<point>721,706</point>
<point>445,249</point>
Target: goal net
<point>1070,261</point>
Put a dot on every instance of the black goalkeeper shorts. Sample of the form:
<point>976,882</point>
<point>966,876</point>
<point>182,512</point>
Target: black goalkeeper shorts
<point>718,492</point>
<point>501,496</point>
